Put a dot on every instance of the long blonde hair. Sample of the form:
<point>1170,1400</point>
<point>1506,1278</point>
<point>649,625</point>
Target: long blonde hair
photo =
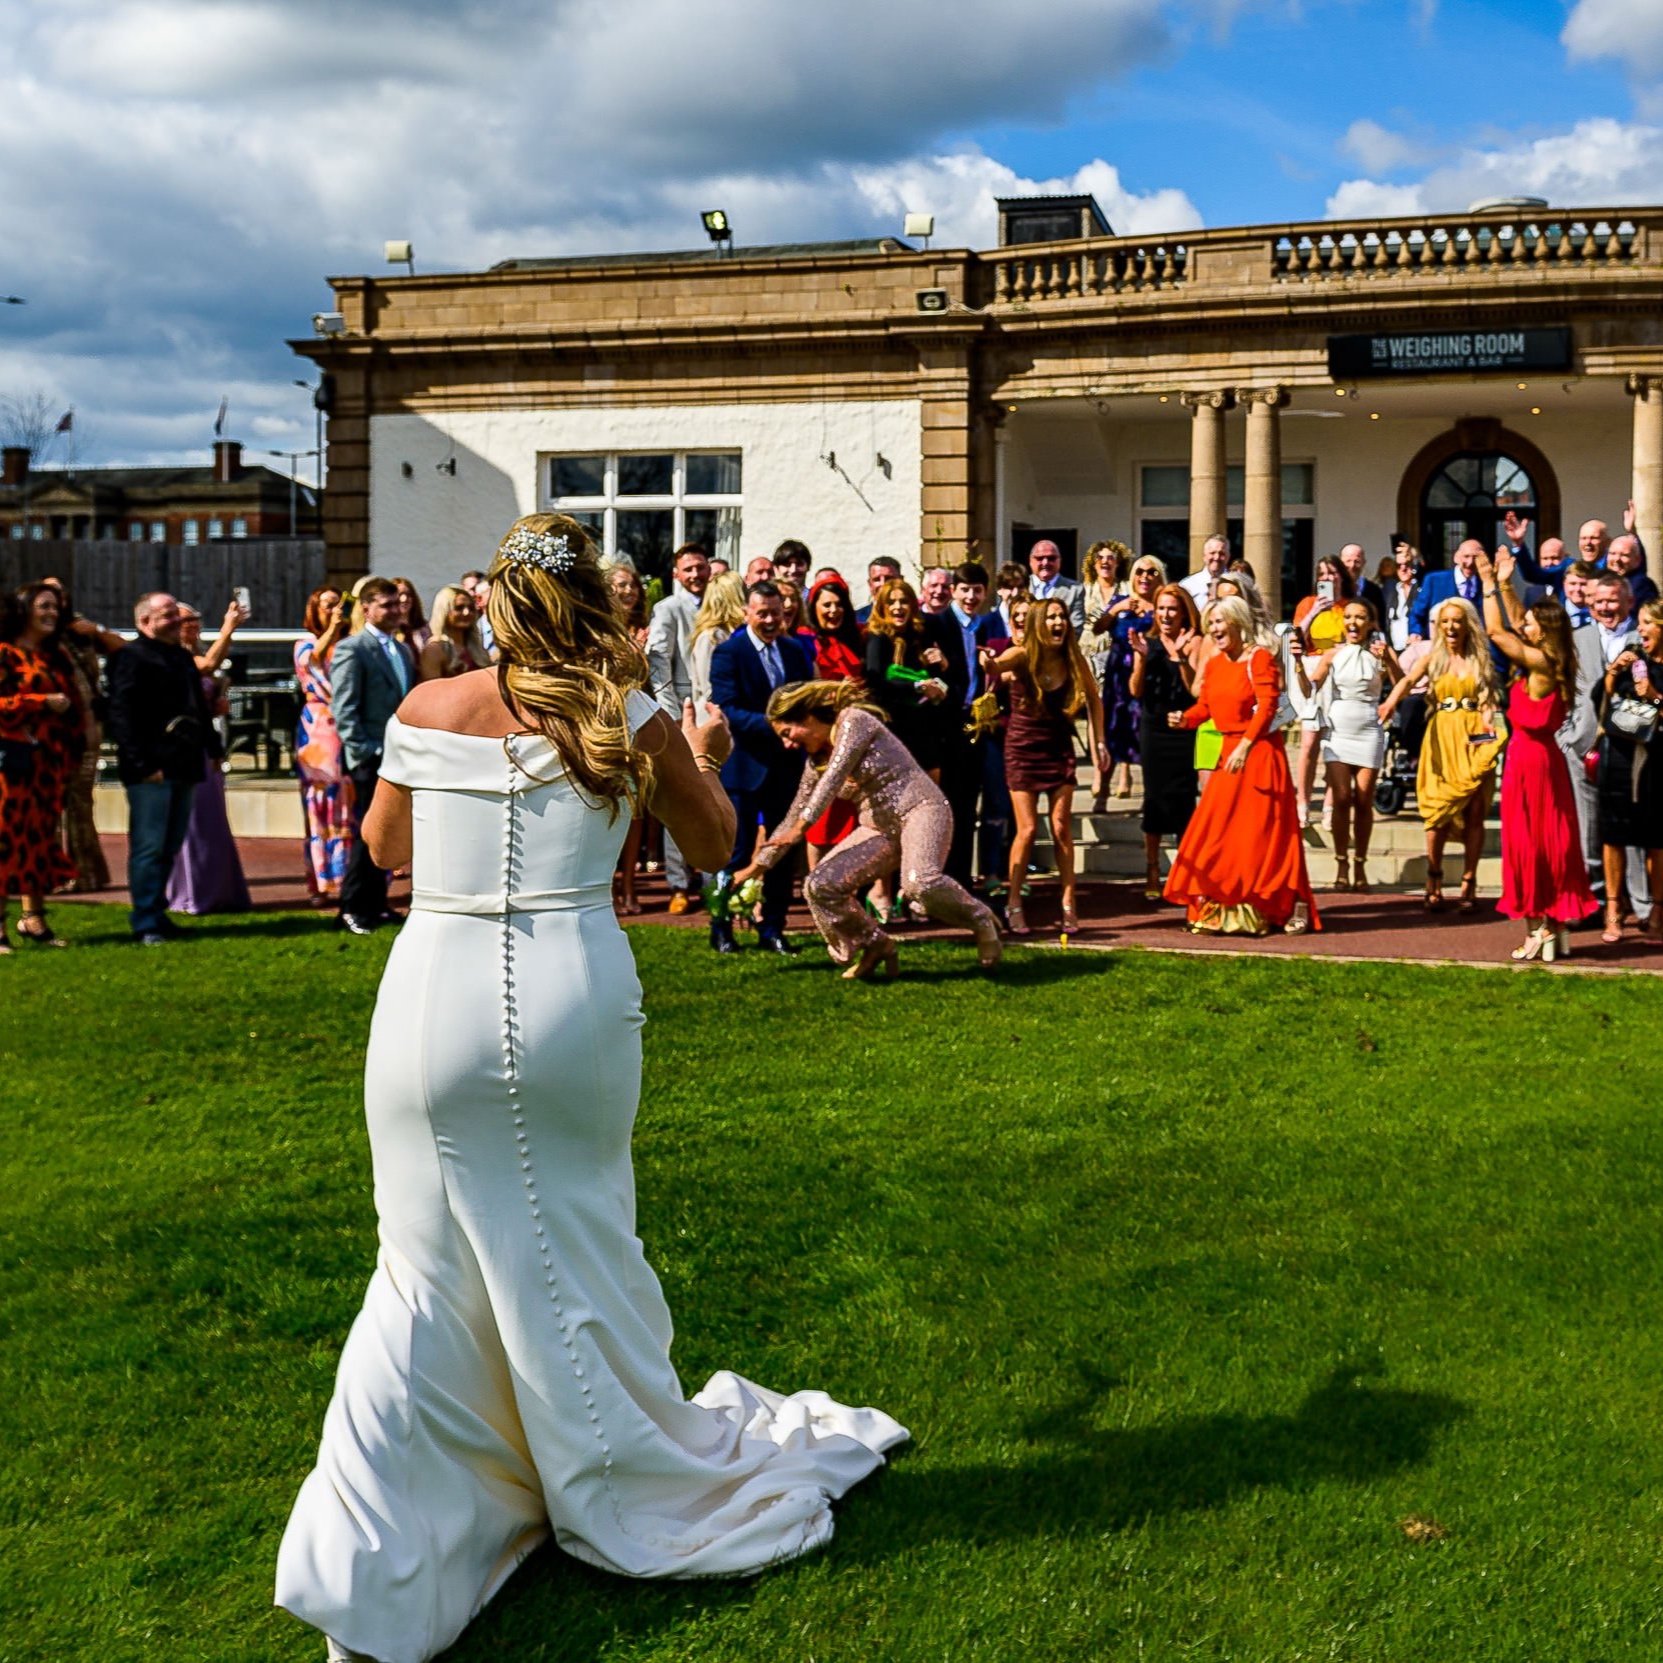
<point>440,624</point>
<point>1475,648</point>
<point>566,661</point>
<point>824,699</point>
<point>1034,648</point>
<point>723,606</point>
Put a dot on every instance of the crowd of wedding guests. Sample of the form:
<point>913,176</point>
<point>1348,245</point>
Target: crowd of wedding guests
<point>1544,662</point>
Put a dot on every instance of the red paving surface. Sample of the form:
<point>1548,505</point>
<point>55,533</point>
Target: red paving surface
<point>1383,926</point>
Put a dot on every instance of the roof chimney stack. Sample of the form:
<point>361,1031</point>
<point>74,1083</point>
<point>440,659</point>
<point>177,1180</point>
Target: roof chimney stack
<point>228,461</point>
<point>14,464</point>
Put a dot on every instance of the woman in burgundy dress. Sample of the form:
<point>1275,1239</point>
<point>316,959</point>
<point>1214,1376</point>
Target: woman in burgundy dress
<point>1051,686</point>
<point>1543,878</point>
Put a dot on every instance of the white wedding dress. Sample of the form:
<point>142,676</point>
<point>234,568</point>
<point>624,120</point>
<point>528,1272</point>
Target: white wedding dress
<point>509,1373</point>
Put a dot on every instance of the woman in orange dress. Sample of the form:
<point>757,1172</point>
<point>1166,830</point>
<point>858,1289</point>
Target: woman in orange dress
<point>1240,868</point>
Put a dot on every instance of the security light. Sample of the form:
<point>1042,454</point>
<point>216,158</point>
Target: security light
<point>932,300</point>
<point>328,323</point>
<point>918,225</point>
<point>718,227</point>
<point>400,253</point>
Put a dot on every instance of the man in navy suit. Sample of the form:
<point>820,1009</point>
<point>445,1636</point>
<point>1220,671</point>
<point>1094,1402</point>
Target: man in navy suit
<point>1459,583</point>
<point>878,572</point>
<point>760,775</point>
<point>961,632</point>
<point>370,673</point>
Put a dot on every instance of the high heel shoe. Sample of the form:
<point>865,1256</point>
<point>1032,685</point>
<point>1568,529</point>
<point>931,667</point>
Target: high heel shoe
<point>1469,893</point>
<point>1070,918</point>
<point>1613,931</point>
<point>1015,920</point>
<point>877,954</point>
<point>1538,944</point>
<point>1434,900</point>
<point>1360,878</point>
<point>45,936</point>
<point>1299,922</point>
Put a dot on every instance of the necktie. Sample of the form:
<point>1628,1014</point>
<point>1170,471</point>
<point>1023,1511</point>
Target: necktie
<point>771,663</point>
<point>390,646</point>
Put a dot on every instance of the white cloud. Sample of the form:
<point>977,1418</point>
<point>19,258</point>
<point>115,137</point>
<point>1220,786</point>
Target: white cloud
<point>184,174</point>
<point>1628,30</point>
<point>1599,163</point>
<point>1378,149</point>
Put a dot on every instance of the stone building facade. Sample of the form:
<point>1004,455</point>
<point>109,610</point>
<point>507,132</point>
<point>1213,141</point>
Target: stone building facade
<point>1300,385</point>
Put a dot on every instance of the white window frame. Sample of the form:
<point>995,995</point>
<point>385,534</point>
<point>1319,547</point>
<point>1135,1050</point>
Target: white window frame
<point>678,501</point>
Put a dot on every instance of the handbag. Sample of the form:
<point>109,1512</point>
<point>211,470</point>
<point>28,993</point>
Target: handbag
<point>1637,718</point>
<point>17,760</point>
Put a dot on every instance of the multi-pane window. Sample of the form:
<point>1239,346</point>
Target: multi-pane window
<point>135,531</point>
<point>646,504</point>
<point>216,530</point>
<point>158,531</point>
<point>239,527</point>
<point>193,533</point>
<point>1164,527</point>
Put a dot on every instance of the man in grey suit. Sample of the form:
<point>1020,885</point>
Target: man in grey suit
<point>670,672</point>
<point>1046,582</point>
<point>369,675</point>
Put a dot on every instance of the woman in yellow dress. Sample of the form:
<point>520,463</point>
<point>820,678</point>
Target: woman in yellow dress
<point>1465,733</point>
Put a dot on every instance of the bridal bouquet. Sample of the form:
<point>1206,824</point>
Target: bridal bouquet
<point>726,901</point>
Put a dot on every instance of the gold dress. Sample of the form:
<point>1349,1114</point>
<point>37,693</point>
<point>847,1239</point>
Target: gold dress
<point>1452,766</point>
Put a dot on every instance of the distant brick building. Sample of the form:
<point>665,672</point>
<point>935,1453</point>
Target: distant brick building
<point>182,506</point>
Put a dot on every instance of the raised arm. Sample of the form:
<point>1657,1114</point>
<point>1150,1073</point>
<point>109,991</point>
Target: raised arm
<point>1502,631</point>
<point>687,792</point>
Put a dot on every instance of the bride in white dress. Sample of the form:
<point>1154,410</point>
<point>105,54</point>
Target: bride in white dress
<point>509,1374</point>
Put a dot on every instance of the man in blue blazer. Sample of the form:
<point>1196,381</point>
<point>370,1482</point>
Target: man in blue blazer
<point>1461,582</point>
<point>369,675</point>
<point>760,775</point>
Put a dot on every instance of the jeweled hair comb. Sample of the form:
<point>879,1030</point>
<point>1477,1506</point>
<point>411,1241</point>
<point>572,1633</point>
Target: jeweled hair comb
<point>539,548</point>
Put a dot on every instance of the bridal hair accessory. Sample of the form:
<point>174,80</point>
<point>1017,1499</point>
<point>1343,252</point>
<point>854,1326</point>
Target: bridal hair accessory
<point>540,549</point>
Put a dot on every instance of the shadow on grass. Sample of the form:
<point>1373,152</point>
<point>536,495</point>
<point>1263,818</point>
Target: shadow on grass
<point>1081,1480</point>
<point>1088,1479</point>
<point>1018,969</point>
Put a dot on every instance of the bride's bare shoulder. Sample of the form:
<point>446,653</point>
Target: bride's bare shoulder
<point>468,703</point>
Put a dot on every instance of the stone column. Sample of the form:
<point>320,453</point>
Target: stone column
<point>1001,515</point>
<point>1207,504</point>
<point>1647,484</point>
<point>1262,496</point>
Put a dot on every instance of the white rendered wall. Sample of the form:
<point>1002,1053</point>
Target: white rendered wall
<point>432,526</point>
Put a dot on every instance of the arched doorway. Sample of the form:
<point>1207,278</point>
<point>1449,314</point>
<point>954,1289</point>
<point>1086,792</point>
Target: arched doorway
<point>1464,482</point>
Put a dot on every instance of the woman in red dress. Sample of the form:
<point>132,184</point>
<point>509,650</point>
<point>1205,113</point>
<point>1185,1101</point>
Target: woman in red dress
<point>839,655</point>
<point>1544,880</point>
<point>1240,868</point>
<point>42,730</point>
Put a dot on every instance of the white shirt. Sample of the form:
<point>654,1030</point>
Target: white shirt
<point>1198,586</point>
<point>773,666</point>
<point>389,645</point>
<point>1613,641</point>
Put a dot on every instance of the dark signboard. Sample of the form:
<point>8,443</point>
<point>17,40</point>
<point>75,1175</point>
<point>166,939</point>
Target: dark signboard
<point>1448,352</point>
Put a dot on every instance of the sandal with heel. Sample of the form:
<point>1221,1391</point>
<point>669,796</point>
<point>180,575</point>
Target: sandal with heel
<point>45,936</point>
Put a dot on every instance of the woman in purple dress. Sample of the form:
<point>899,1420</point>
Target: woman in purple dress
<point>208,874</point>
<point>1132,614</point>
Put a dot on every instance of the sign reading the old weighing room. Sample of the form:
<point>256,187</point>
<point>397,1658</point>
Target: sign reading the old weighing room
<point>1448,352</point>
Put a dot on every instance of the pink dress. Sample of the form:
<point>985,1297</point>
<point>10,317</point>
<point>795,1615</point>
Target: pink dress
<point>1542,870</point>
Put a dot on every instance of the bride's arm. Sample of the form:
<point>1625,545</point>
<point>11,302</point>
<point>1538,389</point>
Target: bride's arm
<point>687,793</point>
<point>387,826</point>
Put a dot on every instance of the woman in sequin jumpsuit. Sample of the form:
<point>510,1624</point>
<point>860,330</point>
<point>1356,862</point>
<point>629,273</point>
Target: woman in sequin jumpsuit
<point>904,820</point>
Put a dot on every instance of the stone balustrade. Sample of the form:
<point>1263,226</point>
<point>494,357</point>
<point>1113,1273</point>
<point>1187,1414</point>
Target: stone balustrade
<point>1233,258</point>
<point>1472,243</point>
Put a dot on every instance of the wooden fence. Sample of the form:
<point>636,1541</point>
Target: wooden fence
<point>106,577</point>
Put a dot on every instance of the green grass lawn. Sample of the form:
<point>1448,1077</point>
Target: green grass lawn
<point>1193,1278</point>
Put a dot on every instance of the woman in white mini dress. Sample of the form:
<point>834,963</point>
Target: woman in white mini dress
<point>1348,683</point>
<point>509,1375</point>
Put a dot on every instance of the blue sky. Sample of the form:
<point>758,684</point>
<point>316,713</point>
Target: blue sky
<point>183,174</point>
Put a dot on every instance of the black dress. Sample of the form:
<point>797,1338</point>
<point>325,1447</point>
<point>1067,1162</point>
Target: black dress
<point>1169,782</point>
<point>920,725</point>
<point>1630,778</point>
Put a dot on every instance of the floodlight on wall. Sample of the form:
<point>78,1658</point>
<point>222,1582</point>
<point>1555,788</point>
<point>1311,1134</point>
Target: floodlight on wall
<point>919,225</point>
<point>932,300</point>
<point>328,323</point>
<point>400,253</point>
<point>718,227</point>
